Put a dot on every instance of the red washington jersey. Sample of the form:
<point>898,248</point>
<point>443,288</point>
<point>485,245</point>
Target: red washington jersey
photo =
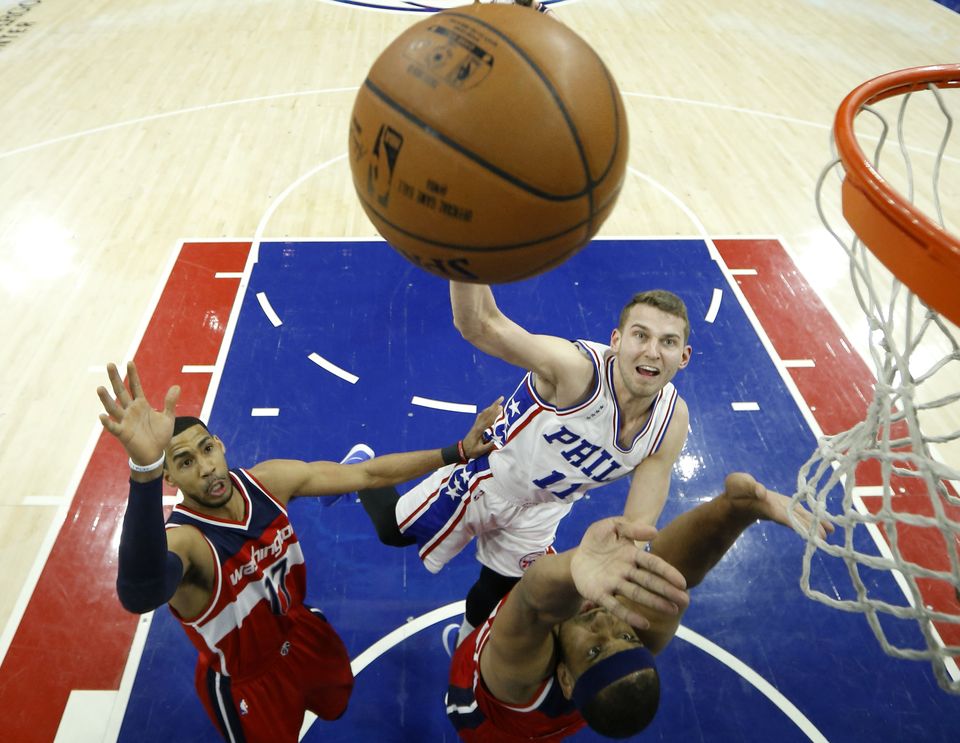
<point>260,579</point>
<point>479,717</point>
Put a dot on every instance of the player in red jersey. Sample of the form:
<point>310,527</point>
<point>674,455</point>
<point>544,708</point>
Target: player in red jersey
<point>574,642</point>
<point>229,564</point>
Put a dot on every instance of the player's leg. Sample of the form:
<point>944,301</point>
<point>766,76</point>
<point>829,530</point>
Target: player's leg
<point>381,506</point>
<point>257,710</point>
<point>505,553</point>
<point>322,665</point>
<point>483,596</point>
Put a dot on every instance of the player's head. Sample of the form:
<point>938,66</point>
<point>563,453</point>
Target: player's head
<point>660,299</point>
<point>651,342</point>
<point>607,673</point>
<point>196,463</point>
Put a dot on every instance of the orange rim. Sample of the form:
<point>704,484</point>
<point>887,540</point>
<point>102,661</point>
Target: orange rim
<point>918,251</point>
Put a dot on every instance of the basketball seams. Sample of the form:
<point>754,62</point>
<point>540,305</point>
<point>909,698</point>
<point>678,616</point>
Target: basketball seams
<point>470,154</point>
<point>468,248</point>
<point>617,107</point>
<point>572,173</point>
<point>558,100</point>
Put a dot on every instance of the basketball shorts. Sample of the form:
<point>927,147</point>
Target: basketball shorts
<point>311,672</point>
<point>455,504</point>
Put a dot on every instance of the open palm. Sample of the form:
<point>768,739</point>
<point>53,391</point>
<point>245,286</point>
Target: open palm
<point>143,431</point>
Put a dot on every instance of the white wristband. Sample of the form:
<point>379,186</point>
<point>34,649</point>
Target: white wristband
<point>148,468</point>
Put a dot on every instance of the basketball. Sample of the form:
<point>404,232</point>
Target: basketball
<point>488,143</point>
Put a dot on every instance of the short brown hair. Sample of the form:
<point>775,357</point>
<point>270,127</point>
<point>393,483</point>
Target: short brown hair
<point>662,300</point>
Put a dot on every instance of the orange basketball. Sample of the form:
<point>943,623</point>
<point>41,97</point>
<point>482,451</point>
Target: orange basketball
<point>488,143</point>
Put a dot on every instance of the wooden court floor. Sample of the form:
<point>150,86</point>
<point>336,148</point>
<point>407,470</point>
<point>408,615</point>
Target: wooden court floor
<point>127,127</point>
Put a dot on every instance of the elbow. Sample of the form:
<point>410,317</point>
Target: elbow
<point>134,599</point>
<point>474,330</point>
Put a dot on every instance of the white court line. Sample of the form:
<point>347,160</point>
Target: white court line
<point>197,369</point>
<point>268,310</point>
<point>56,523</point>
<point>745,407</point>
<point>265,412</point>
<point>743,272</point>
<point>394,638</point>
<point>390,640</point>
<point>799,363</point>
<point>169,114</point>
<point>228,275</point>
<point>714,306</point>
<point>455,407</point>
<point>333,368</point>
<point>143,628</point>
<point>756,680</point>
<point>43,500</point>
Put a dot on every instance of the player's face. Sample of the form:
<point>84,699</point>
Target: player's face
<point>590,636</point>
<point>650,350</point>
<point>196,463</point>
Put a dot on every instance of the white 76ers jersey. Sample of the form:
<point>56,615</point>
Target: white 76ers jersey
<point>557,454</point>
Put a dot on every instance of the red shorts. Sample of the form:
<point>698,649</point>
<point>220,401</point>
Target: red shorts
<point>311,672</point>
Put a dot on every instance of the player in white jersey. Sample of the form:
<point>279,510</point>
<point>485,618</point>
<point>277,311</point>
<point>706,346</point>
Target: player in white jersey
<point>585,414</point>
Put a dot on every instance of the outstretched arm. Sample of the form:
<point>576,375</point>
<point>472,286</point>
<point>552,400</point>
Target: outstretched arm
<point>695,541</point>
<point>563,374</point>
<point>288,478</point>
<point>148,573</point>
<point>606,569</point>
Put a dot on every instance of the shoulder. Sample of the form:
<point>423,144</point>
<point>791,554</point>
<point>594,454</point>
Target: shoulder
<point>279,478</point>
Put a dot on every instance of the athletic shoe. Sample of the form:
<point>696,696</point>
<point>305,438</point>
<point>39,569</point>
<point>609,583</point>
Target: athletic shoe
<point>359,453</point>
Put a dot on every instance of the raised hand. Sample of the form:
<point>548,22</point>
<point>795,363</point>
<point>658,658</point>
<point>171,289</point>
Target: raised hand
<point>746,493</point>
<point>608,564</point>
<point>143,431</point>
<point>475,444</point>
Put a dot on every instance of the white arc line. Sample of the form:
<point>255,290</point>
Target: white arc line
<point>714,305</point>
<point>333,368</point>
<point>455,407</point>
<point>268,310</point>
<point>756,680</point>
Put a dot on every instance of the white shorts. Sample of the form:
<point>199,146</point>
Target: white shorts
<point>456,503</point>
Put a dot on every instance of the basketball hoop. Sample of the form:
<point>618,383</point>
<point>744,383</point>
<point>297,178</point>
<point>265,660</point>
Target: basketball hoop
<point>886,483</point>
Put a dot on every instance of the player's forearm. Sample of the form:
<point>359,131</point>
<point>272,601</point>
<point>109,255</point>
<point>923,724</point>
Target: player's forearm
<point>473,308</point>
<point>147,573</point>
<point>393,469</point>
<point>548,590</point>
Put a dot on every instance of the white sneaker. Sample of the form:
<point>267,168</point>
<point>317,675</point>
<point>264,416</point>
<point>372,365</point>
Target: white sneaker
<point>357,454</point>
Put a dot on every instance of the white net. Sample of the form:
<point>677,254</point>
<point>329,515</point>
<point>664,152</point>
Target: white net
<point>887,484</point>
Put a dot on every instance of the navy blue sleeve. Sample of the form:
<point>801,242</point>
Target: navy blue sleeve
<point>148,574</point>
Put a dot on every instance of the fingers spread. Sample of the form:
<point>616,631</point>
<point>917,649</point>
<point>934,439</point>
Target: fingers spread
<point>135,387</point>
<point>170,401</point>
<point>619,609</point>
<point>117,383</point>
<point>109,404</point>
<point>647,561</point>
